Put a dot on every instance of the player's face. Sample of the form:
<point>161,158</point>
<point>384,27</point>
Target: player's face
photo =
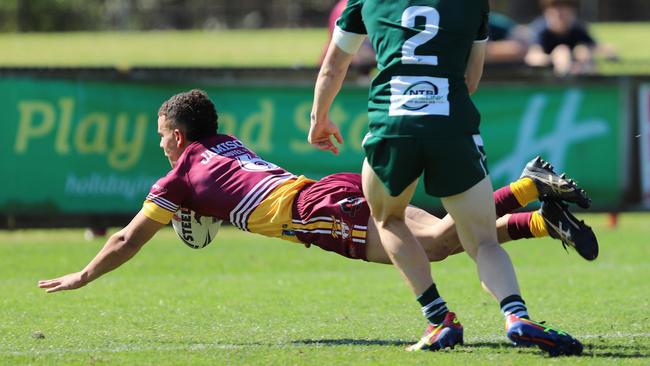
<point>170,140</point>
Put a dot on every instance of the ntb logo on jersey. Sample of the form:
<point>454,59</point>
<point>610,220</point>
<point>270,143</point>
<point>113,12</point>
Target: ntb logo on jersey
<point>418,96</point>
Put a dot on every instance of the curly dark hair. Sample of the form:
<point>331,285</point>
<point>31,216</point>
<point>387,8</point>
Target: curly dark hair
<point>193,112</point>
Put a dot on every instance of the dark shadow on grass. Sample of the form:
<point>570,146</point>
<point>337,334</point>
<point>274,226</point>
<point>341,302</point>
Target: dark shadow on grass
<point>628,347</point>
<point>631,351</point>
<point>590,350</point>
<point>640,351</point>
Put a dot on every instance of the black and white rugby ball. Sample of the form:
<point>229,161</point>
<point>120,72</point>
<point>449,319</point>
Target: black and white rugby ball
<point>194,230</point>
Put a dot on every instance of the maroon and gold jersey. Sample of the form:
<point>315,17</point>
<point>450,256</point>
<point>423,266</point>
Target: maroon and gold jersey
<point>219,177</point>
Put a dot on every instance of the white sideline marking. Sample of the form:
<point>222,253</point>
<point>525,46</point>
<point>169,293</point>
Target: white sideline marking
<point>211,346</point>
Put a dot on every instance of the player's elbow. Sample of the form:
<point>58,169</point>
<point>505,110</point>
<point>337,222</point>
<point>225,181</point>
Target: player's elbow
<point>472,79</point>
<point>331,72</point>
<point>335,68</point>
<point>472,87</point>
<point>126,241</point>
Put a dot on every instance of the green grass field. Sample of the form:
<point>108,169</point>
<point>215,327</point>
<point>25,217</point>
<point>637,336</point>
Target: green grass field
<point>250,300</point>
<point>230,48</point>
<point>242,48</point>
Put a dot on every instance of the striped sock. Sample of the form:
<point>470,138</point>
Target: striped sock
<point>524,190</point>
<point>519,226</point>
<point>537,225</point>
<point>434,307</point>
<point>514,304</point>
<point>524,225</point>
<point>515,195</point>
<point>504,201</point>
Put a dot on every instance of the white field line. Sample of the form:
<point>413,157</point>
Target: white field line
<point>212,346</point>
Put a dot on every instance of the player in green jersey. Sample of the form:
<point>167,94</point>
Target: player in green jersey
<point>430,56</point>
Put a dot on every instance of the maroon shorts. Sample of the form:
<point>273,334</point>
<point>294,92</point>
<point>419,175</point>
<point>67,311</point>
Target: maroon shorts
<point>333,214</point>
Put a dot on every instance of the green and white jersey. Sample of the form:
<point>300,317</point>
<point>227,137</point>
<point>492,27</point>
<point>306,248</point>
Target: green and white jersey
<point>422,48</point>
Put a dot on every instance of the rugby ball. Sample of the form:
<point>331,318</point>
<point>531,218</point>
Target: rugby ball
<point>194,230</point>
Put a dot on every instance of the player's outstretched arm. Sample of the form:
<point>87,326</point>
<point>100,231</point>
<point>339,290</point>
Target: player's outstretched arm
<point>330,78</point>
<point>119,248</point>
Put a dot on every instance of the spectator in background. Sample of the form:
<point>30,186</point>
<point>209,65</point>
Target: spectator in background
<point>507,40</point>
<point>562,41</point>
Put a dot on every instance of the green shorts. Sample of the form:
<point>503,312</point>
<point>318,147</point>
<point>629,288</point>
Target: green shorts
<point>450,165</point>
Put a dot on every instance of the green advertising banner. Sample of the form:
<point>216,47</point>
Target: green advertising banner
<point>74,146</point>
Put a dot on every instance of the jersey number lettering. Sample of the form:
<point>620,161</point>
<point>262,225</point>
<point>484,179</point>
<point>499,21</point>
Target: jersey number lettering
<point>255,164</point>
<point>432,22</point>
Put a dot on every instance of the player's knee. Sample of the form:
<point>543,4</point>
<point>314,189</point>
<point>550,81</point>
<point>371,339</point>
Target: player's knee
<point>387,214</point>
<point>387,219</point>
<point>471,251</point>
<point>488,243</point>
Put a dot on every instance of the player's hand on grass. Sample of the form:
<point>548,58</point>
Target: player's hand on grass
<point>320,135</point>
<point>68,282</point>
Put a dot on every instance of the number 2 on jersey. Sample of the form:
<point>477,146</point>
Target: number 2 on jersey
<point>432,22</point>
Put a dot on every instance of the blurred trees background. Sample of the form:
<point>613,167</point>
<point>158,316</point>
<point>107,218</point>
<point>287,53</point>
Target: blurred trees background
<point>76,15</point>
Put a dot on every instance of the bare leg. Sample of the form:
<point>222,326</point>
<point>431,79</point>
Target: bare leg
<point>438,237</point>
<point>397,239</point>
<point>475,214</point>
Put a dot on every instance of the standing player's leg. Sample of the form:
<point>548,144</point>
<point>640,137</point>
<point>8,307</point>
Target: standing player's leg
<point>474,214</point>
<point>388,214</point>
<point>398,242</point>
<point>473,210</point>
